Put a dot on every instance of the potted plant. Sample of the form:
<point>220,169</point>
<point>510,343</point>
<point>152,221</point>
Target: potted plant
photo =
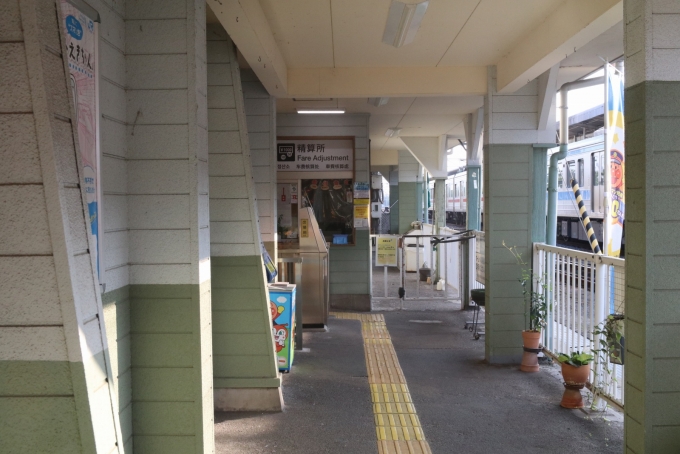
<point>575,371</point>
<point>534,291</point>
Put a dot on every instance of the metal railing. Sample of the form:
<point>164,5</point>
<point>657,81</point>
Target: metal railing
<point>584,289</point>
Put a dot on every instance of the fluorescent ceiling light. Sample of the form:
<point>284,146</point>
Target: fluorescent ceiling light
<point>391,132</point>
<point>403,21</point>
<point>377,102</point>
<point>320,111</point>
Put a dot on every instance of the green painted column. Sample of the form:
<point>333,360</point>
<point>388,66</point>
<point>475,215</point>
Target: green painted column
<point>514,191</point>
<point>168,228</point>
<point>473,188</point>
<point>246,375</point>
<point>57,388</point>
<point>652,184</point>
<point>540,184</point>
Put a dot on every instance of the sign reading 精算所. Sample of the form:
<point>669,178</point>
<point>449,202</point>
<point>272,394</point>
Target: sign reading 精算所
<point>315,155</point>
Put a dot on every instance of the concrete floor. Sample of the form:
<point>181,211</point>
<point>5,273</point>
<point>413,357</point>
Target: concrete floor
<point>464,405</point>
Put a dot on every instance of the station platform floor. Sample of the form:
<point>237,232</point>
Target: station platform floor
<point>334,402</point>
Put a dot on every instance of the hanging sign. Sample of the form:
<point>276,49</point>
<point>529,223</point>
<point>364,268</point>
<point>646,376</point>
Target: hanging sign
<point>361,215</point>
<point>315,155</point>
<point>80,34</point>
<point>615,137</point>
<point>386,251</point>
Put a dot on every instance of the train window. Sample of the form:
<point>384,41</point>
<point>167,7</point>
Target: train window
<point>581,173</point>
<point>560,179</point>
<point>462,189</point>
<point>456,190</point>
<point>572,173</point>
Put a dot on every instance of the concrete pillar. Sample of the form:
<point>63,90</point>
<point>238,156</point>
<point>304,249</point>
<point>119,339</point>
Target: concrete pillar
<point>473,133</point>
<point>393,179</point>
<point>57,390</point>
<point>439,203</point>
<point>246,373</point>
<point>410,190</point>
<point>260,109</point>
<point>169,235</point>
<point>510,132</point>
<point>652,328</point>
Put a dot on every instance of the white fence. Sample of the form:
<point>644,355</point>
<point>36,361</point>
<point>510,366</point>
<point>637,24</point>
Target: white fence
<point>584,289</point>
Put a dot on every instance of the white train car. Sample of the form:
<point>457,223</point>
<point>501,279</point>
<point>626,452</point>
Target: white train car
<point>456,197</point>
<point>585,162</point>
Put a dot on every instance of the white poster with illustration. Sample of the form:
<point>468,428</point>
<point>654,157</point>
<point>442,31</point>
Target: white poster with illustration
<point>80,35</point>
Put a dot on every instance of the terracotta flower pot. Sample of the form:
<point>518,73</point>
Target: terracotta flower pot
<point>531,340</point>
<point>575,379</point>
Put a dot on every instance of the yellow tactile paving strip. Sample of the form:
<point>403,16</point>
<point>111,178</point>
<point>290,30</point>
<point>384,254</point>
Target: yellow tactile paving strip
<point>397,425</point>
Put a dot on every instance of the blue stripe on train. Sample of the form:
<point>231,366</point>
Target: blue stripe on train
<point>569,195</point>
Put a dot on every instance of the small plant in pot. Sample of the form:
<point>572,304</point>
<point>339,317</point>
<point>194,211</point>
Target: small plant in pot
<point>575,371</point>
<point>534,289</point>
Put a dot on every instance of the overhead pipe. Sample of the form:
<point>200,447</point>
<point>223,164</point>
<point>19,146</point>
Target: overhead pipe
<point>551,224</point>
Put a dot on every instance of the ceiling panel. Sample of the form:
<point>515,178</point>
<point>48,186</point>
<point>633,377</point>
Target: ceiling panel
<point>495,28</point>
<point>302,30</point>
<point>358,26</point>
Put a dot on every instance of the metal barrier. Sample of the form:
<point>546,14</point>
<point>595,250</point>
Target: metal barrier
<point>444,257</point>
<point>584,288</point>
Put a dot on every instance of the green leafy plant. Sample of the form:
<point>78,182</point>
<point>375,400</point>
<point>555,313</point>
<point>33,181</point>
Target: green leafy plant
<point>534,290</point>
<point>576,359</point>
<point>610,339</point>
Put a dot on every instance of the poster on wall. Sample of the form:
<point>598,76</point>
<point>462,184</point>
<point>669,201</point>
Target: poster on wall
<point>333,212</point>
<point>615,137</point>
<point>80,36</point>
<point>360,216</point>
<point>315,155</point>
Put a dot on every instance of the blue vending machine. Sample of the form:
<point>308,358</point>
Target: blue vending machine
<point>282,306</point>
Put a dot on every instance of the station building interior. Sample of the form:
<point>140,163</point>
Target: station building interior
<point>167,166</point>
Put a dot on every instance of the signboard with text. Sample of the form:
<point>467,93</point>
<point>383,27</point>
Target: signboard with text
<point>386,251</point>
<point>315,155</point>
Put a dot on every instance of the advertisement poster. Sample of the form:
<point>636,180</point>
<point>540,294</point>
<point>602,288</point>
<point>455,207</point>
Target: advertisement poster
<point>362,190</point>
<point>282,307</point>
<point>314,155</point>
<point>615,137</point>
<point>386,251</point>
<point>328,198</point>
<point>284,221</point>
<point>361,216</point>
<point>81,49</point>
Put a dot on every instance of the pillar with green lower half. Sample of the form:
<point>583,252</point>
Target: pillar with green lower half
<point>510,132</point>
<point>246,374</point>
<point>410,190</point>
<point>474,126</point>
<point>652,183</point>
<point>168,224</point>
<point>57,391</point>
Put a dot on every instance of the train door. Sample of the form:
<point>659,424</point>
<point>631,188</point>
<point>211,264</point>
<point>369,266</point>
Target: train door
<point>597,178</point>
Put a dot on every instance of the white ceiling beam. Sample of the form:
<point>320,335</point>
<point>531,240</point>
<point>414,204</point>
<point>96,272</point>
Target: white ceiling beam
<point>474,125</point>
<point>247,26</point>
<point>430,153</point>
<point>572,25</point>
<point>547,89</point>
<point>375,82</point>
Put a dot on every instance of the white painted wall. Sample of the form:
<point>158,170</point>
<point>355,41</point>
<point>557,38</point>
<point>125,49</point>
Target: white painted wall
<point>167,146</point>
<point>513,118</point>
<point>410,170</point>
<point>233,211</point>
<point>260,110</point>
